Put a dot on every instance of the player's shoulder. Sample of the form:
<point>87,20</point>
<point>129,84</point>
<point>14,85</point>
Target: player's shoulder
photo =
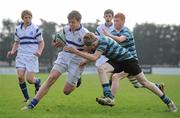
<point>100,26</point>
<point>125,29</point>
<point>34,26</point>
<point>84,29</point>
<point>66,27</point>
<point>19,26</point>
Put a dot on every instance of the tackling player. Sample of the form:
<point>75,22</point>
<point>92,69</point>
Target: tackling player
<point>121,60</point>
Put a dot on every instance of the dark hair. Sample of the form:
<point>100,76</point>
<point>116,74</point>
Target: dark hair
<point>109,11</point>
<point>74,14</point>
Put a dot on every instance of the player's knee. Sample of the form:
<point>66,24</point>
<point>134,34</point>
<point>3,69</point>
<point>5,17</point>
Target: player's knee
<point>66,92</point>
<point>101,69</point>
<point>30,81</point>
<point>144,83</point>
<point>21,79</point>
<point>114,77</point>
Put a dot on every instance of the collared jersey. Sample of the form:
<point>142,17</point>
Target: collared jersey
<point>129,43</point>
<point>75,38</point>
<point>28,38</point>
<point>99,29</point>
<point>112,50</point>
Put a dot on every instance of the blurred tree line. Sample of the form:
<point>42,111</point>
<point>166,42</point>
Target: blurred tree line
<point>155,44</point>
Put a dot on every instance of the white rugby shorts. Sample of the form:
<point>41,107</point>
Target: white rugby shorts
<point>29,63</point>
<point>68,62</point>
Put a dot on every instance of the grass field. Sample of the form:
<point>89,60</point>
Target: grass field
<point>130,102</point>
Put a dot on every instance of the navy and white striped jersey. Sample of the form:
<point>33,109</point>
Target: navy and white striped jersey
<point>129,43</point>
<point>112,50</point>
<point>75,38</point>
<point>99,29</point>
<point>28,38</point>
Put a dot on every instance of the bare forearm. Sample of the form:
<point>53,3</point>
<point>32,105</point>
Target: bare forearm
<point>14,48</point>
<point>86,55</point>
<point>118,38</point>
<point>41,46</point>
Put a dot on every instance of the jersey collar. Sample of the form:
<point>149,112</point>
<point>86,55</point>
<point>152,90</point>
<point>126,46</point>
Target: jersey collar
<point>77,28</point>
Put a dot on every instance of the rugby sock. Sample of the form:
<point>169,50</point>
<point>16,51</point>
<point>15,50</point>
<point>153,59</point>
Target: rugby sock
<point>24,90</point>
<point>37,84</point>
<point>33,103</point>
<point>136,83</point>
<point>107,91</point>
<point>165,99</point>
<point>110,82</point>
<point>158,85</point>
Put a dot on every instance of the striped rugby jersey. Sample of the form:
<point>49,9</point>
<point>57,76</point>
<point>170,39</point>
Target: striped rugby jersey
<point>112,50</point>
<point>28,38</point>
<point>75,38</point>
<point>99,29</point>
<point>129,43</point>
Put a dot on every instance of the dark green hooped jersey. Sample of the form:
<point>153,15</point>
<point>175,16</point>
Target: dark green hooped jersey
<point>112,50</point>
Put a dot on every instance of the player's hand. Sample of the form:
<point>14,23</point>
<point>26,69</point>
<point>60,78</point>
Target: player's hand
<point>9,53</point>
<point>70,49</point>
<point>38,53</point>
<point>57,44</point>
<point>105,32</point>
<point>83,63</point>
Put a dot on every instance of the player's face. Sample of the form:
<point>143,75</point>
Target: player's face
<point>108,18</point>
<point>118,23</point>
<point>92,47</point>
<point>74,24</point>
<point>27,19</point>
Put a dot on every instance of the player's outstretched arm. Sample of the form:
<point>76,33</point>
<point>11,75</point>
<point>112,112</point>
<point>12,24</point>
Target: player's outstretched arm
<point>13,50</point>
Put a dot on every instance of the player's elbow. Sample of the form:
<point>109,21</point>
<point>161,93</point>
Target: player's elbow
<point>93,59</point>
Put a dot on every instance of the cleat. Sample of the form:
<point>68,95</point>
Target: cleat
<point>105,101</point>
<point>26,101</point>
<point>172,107</point>
<point>162,88</point>
<point>28,107</point>
<point>78,83</point>
<point>37,86</point>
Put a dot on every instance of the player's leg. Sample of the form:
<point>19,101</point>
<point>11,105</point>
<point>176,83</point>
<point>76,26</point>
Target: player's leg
<point>71,83</point>
<point>137,84</point>
<point>22,83</point>
<point>56,71</point>
<point>102,71</point>
<point>115,81</point>
<point>68,88</point>
<point>53,76</point>
<point>132,67</point>
<point>30,77</point>
<point>152,87</point>
<point>108,98</point>
<point>32,67</point>
<point>74,75</point>
<point>21,70</point>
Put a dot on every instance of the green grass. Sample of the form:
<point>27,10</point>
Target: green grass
<point>130,102</point>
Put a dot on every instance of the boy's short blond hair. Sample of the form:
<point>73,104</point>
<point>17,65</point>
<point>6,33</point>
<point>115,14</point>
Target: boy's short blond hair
<point>26,12</point>
<point>89,39</point>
